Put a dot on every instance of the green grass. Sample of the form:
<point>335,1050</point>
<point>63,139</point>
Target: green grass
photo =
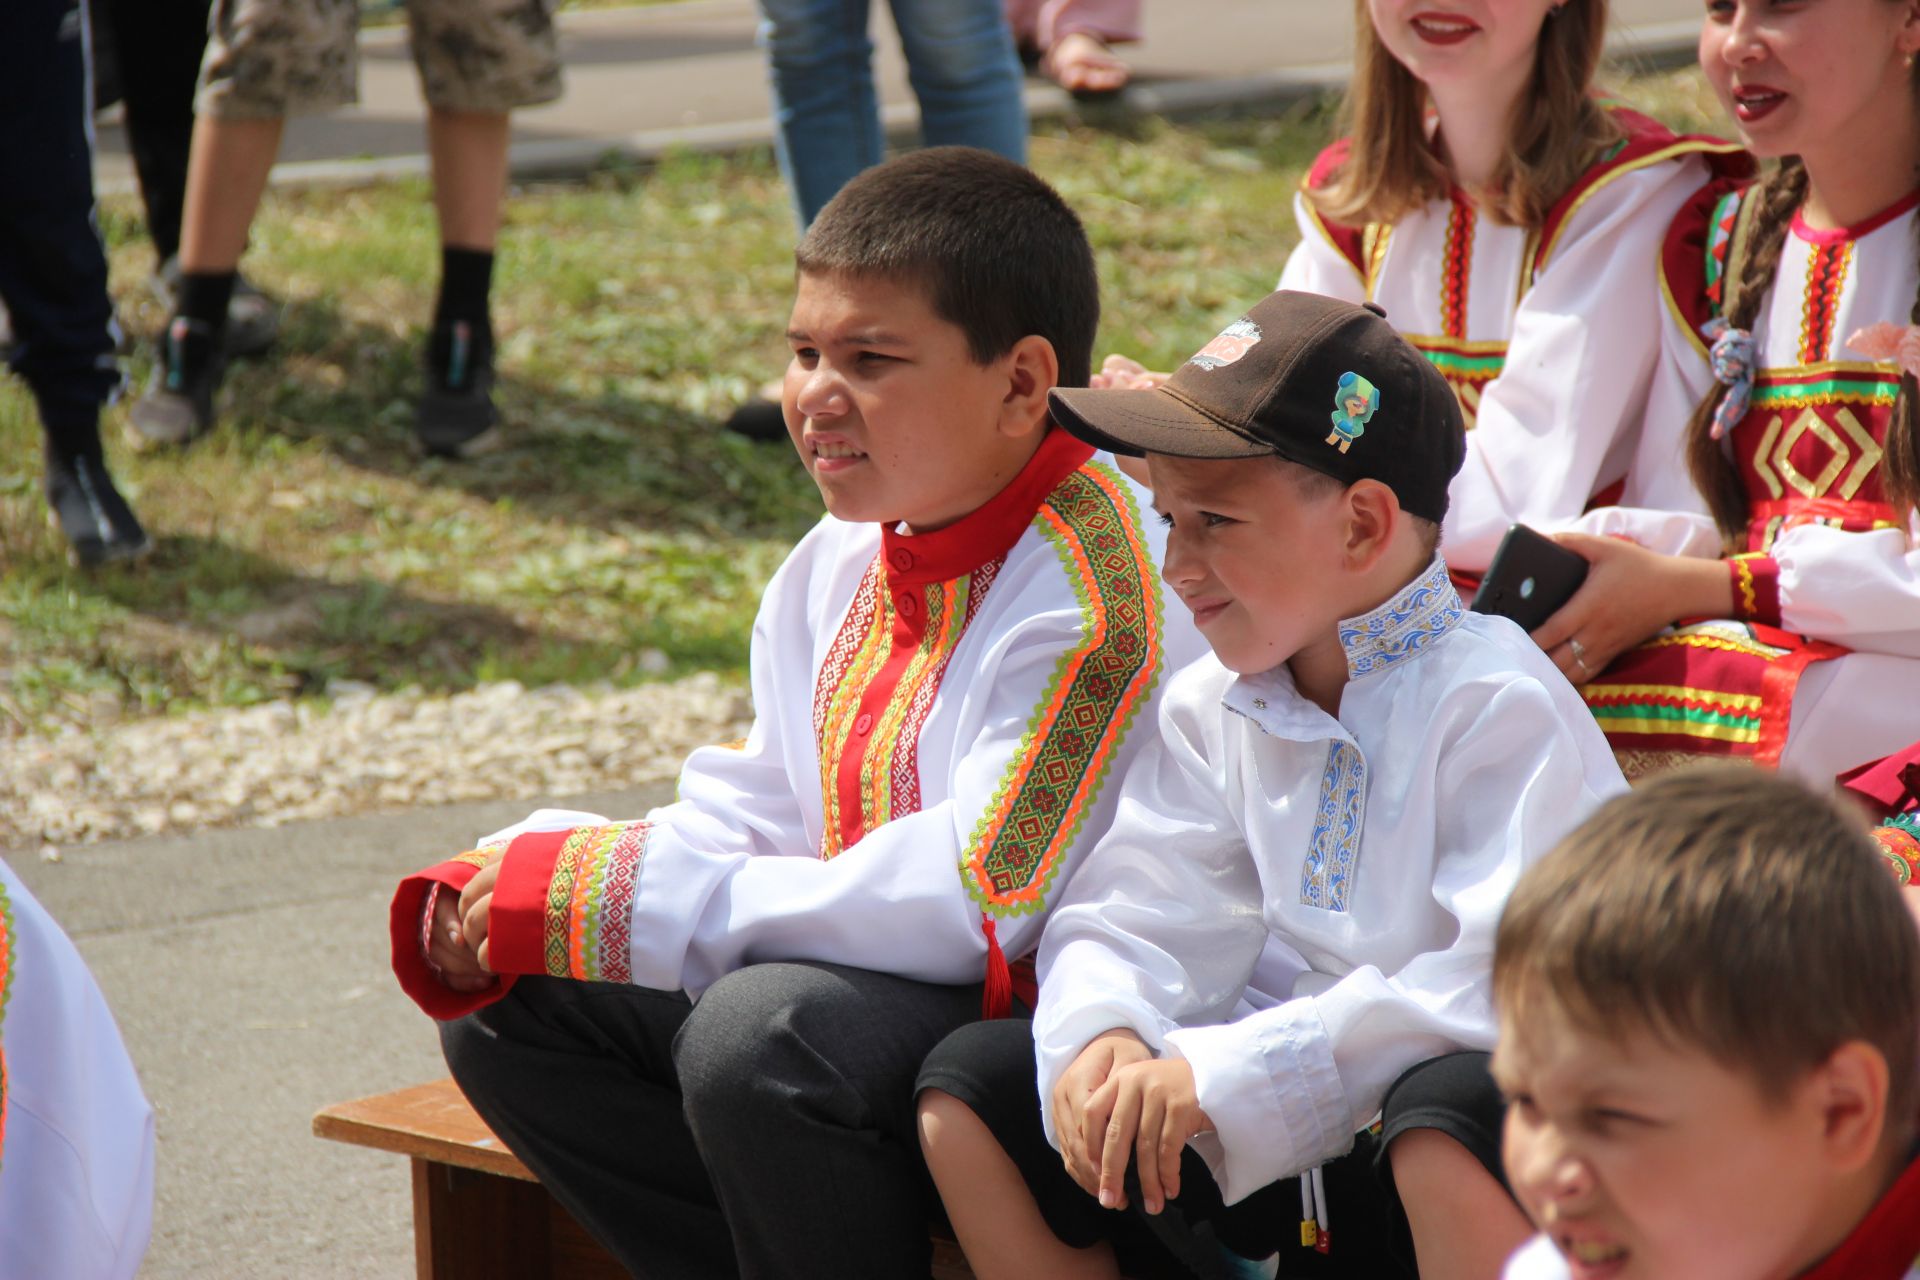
<point>305,542</point>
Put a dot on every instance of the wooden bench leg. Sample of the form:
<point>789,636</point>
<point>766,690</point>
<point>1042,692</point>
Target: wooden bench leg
<point>468,1225</point>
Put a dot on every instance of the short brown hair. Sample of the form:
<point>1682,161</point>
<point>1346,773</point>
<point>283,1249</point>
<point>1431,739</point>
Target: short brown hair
<point>999,253</point>
<point>1726,909</point>
<point>1558,129</point>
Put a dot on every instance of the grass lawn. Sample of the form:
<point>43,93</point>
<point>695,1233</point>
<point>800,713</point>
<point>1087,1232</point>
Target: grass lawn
<point>621,536</point>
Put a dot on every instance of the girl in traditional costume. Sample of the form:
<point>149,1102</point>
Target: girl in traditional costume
<point>1506,218</point>
<point>1776,483</point>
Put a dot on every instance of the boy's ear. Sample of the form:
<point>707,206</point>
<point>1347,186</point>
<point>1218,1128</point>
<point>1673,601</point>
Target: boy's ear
<point>1373,512</point>
<point>1849,1090</point>
<point>1032,370</point>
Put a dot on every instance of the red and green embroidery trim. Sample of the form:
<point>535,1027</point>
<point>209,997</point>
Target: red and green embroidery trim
<point>1826,276</point>
<point>1719,245</point>
<point>874,693</point>
<point>1467,366</point>
<point>1456,268</point>
<point>589,919</point>
<point>1098,686</point>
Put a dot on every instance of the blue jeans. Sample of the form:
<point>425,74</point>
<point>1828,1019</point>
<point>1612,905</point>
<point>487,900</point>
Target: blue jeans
<point>960,59</point>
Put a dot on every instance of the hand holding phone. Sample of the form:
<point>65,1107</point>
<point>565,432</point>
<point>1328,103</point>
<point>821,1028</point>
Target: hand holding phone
<point>1530,578</point>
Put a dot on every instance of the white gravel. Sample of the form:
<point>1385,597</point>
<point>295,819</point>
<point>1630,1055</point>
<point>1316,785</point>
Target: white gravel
<point>290,762</point>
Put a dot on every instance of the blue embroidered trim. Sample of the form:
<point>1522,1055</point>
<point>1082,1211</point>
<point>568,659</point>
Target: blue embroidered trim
<point>1424,610</point>
<point>1328,873</point>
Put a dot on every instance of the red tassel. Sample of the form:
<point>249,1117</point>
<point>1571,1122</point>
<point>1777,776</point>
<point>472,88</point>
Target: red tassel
<point>996,1000</point>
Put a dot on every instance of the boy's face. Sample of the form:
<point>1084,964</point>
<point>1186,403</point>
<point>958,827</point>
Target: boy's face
<point>1256,559</point>
<point>891,415</point>
<point>1640,1159</point>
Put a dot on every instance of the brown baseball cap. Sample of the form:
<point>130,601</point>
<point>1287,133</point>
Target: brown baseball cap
<point>1320,382</point>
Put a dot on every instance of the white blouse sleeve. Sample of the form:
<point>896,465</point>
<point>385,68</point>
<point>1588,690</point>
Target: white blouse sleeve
<point>1560,422</point>
<point>1857,589</point>
<point>1288,1087</point>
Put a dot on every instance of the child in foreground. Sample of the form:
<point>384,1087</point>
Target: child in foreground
<point>717,1012</point>
<point>1709,1017</point>
<point>1337,804</point>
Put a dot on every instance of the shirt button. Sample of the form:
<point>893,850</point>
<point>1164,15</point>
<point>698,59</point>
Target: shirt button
<point>909,606</point>
<point>902,559</point>
<point>863,724</point>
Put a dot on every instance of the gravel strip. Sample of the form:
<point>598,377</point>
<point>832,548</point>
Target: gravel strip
<point>292,762</point>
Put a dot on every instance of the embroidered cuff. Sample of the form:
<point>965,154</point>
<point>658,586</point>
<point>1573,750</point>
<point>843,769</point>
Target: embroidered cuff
<point>410,966</point>
<point>563,905</point>
<point>1756,588</point>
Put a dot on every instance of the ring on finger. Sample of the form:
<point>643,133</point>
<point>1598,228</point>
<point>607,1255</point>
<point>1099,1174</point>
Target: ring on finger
<point>1579,652</point>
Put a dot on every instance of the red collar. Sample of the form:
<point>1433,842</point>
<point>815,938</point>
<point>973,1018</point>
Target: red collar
<point>1887,1241</point>
<point>989,532</point>
<point>1840,235</point>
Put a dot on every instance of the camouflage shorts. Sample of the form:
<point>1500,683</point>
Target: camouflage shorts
<point>276,58</point>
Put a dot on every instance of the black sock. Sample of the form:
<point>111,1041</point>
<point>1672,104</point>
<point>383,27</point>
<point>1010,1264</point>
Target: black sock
<point>466,278</point>
<point>203,299</point>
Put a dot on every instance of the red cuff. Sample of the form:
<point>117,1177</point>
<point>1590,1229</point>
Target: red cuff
<point>1756,588</point>
<point>517,930</point>
<point>417,979</point>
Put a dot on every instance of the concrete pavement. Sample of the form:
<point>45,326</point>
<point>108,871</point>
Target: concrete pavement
<point>248,972</point>
<point>248,968</point>
<point>643,80</point>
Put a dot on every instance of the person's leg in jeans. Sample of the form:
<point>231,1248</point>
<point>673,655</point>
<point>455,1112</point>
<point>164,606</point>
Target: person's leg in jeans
<point>53,270</point>
<point>827,120</point>
<point>966,74</point>
<point>577,1078</point>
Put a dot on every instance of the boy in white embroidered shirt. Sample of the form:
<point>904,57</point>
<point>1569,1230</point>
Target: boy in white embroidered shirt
<point>1338,803</point>
<point>1709,1022</point>
<point>946,671</point>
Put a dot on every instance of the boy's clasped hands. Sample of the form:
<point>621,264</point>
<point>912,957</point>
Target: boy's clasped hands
<point>457,930</point>
<point>1115,1097</point>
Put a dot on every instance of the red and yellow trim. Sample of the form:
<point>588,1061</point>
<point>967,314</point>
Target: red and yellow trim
<point>6,993</point>
<point>1826,278</point>
<point>1456,267</point>
<point>1756,588</point>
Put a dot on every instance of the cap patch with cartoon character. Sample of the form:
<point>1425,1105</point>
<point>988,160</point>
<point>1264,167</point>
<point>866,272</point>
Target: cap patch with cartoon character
<point>1354,402</point>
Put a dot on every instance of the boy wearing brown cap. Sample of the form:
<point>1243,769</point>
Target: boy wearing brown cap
<point>1295,905</point>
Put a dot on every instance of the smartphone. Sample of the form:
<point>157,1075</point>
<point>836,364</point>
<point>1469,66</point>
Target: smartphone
<point>1530,578</point>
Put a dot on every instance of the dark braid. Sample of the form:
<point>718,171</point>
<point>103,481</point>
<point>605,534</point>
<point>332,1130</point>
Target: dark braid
<point>1780,193</point>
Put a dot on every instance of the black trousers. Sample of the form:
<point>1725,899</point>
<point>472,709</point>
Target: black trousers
<point>766,1131</point>
<point>159,44</point>
<point>53,268</point>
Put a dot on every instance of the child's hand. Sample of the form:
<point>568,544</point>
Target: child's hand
<point>1154,1108</point>
<point>448,954</point>
<point>1630,594</point>
<point>1120,373</point>
<point>1076,1086</point>
<point>476,910</point>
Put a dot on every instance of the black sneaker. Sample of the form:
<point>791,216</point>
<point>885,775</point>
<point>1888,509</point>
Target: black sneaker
<point>457,418</point>
<point>99,525</point>
<point>178,403</point>
<point>253,317</point>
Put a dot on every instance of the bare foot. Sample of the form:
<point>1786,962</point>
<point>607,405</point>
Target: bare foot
<point>1081,63</point>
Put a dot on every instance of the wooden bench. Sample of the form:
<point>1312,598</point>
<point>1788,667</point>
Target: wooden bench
<point>477,1211</point>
